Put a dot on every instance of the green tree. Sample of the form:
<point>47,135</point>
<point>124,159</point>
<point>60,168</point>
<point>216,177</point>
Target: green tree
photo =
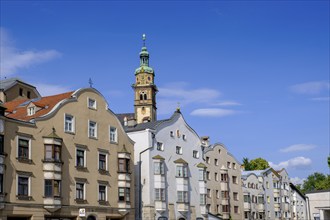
<point>316,181</point>
<point>255,164</point>
<point>329,161</point>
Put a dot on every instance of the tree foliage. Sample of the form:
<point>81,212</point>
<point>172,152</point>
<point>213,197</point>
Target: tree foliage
<point>316,181</point>
<point>255,164</point>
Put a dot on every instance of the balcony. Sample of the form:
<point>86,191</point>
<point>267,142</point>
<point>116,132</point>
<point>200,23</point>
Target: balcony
<point>247,206</point>
<point>160,206</point>
<point>182,207</point>
<point>52,204</point>
<point>52,166</point>
<point>261,207</point>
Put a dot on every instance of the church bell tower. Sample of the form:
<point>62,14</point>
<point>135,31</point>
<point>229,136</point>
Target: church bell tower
<point>144,89</point>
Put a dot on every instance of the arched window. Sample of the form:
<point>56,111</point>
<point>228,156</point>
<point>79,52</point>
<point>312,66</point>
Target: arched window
<point>141,97</point>
<point>145,96</point>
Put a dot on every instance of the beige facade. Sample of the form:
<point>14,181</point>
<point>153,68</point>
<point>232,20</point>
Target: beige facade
<point>14,89</point>
<point>70,158</point>
<point>224,189</point>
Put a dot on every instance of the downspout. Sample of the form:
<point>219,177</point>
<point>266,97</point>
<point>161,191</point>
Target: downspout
<point>140,185</point>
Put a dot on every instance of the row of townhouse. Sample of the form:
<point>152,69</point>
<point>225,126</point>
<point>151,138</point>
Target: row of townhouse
<point>268,194</point>
<point>63,156</point>
<point>68,156</point>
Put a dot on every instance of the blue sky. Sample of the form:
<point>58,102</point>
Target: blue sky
<point>253,75</point>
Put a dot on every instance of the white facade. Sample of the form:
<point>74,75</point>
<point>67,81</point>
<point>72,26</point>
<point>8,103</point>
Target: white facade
<point>171,166</point>
<point>318,204</point>
<point>298,204</point>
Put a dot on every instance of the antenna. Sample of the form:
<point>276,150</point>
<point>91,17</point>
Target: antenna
<point>90,83</point>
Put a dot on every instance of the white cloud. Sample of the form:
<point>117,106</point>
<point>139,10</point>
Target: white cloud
<point>321,99</point>
<point>213,112</point>
<point>297,180</point>
<point>13,59</point>
<point>293,163</point>
<point>298,147</point>
<point>48,89</point>
<point>178,94</point>
<point>311,88</point>
<point>227,103</point>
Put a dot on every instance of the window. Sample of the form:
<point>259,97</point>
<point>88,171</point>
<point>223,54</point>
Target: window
<point>160,146</point>
<point>267,185</point>
<point>23,186</point>
<point>183,196</point>
<point>1,144</point>
<point>246,215</point>
<point>123,165</point>
<point>224,177</point>
<point>268,199</point>
<point>217,194</point>
<point>80,188</point>
<point>234,166</point>
<point>247,198</point>
<point>235,180</point>
<point>207,160</point>
<point>159,168</point>
<point>184,137</point>
<point>225,194</point>
<point>181,171</point>
<point>178,133</point>
<point>91,103</point>
<point>201,175</point>
<point>160,194</point>
<point>216,162</point>
<point>102,193</point>
<point>31,111</point>
<point>195,154</point>
<point>225,208</point>
<point>171,133</point>
<point>208,176</point>
<point>23,148</point>
<point>80,158</point>
<point>113,135</point>
<point>261,199</point>
<point>102,161</point>
<point>28,94</point>
<point>216,177</point>
<point>228,165</point>
<point>236,209</point>
<point>92,129</point>
<point>20,92</point>
<point>52,188</point>
<point>124,194</point>
<point>178,150</point>
<point>208,192</point>
<point>68,123</point>
<point>235,195</point>
<point>52,152</point>
<point>202,200</point>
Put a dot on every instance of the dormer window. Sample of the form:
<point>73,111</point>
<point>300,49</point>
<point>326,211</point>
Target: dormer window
<point>31,111</point>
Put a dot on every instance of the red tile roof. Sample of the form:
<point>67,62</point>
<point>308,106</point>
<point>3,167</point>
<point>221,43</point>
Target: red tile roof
<point>18,109</point>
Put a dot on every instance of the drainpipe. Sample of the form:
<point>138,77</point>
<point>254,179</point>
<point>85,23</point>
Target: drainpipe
<point>308,209</point>
<point>140,162</point>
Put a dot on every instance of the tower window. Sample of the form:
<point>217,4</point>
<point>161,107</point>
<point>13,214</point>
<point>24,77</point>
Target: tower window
<point>145,96</point>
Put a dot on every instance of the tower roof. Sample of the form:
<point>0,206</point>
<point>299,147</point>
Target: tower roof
<point>144,59</point>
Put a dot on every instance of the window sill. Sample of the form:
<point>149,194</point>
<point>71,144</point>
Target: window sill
<point>94,138</point>
<point>80,168</point>
<point>179,202</point>
<point>124,172</point>
<point>23,197</point>
<point>182,177</point>
<point>52,161</point>
<point>70,132</point>
<point>114,142</point>
<point>24,160</point>
<point>103,202</point>
<point>103,172</point>
<point>53,197</point>
<point>92,108</point>
<point>81,201</point>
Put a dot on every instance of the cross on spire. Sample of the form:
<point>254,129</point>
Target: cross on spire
<point>90,83</point>
<point>144,39</point>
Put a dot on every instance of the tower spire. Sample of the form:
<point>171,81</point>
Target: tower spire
<point>144,39</point>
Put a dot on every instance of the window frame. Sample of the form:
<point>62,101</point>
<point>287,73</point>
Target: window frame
<point>126,194</point>
<point>105,161</point>
<point>182,197</point>
<point>160,194</point>
<point>113,134</point>
<point>81,191</point>
<point>28,148</point>
<point>101,195</point>
<point>92,129</point>
<point>84,158</point>
<point>178,150</point>
<point>18,176</point>
<point>161,168</point>
<point>72,123</point>
<point>160,146</point>
<point>52,185</point>
<point>126,168</point>
<point>94,106</point>
<point>181,171</point>
<point>195,154</point>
